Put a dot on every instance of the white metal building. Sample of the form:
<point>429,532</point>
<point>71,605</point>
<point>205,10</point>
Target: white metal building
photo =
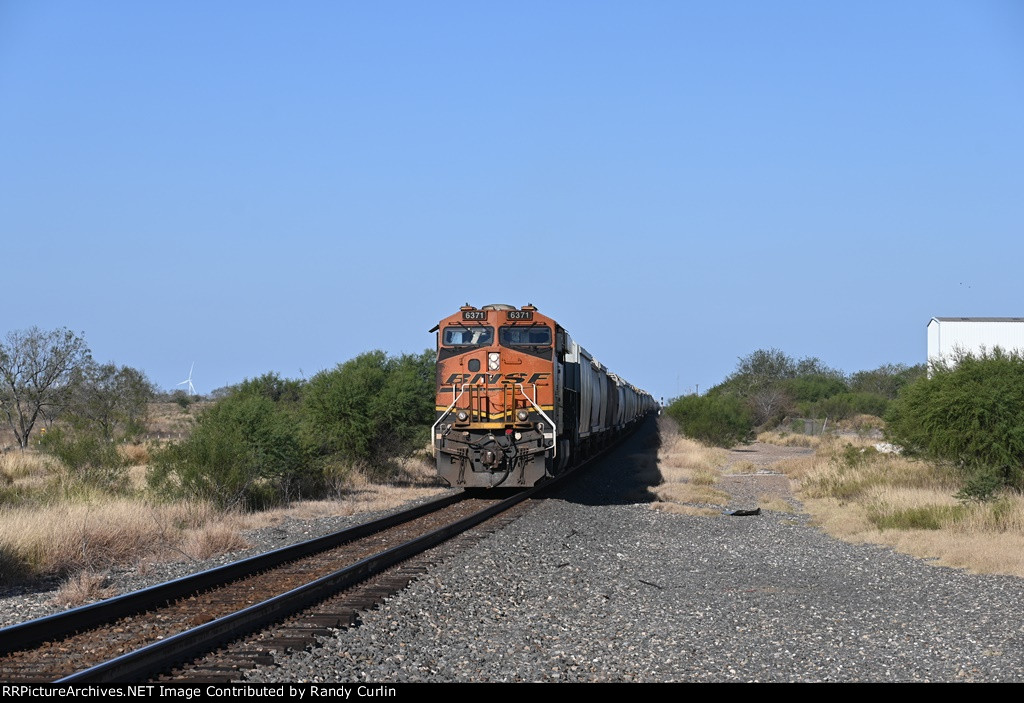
<point>948,336</point>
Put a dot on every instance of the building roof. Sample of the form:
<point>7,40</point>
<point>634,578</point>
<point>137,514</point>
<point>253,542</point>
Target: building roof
<point>979,319</point>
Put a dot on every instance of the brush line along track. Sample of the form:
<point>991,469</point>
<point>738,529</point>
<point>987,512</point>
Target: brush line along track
<point>136,635</point>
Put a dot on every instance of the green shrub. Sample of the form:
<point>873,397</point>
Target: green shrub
<point>970,415</point>
<point>244,451</point>
<point>815,387</point>
<point>982,485</point>
<point>371,408</point>
<point>855,457</point>
<point>182,398</point>
<point>844,405</point>
<point>716,420</point>
<point>925,517</point>
<point>272,387</point>
<point>886,380</point>
<point>87,457</point>
<point>775,386</point>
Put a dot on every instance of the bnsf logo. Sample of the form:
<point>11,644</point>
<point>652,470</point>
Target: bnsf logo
<point>495,378</point>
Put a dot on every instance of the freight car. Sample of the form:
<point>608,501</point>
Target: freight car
<point>519,401</point>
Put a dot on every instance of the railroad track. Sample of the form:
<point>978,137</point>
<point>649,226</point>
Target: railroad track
<point>286,597</point>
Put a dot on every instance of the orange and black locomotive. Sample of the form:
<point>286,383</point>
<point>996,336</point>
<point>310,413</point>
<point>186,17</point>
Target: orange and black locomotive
<point>518,400</point>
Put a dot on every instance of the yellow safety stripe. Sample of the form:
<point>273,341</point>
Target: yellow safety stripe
<point>497,414</point>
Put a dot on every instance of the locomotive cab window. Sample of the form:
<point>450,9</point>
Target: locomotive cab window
<point>464,336</point>
<point>532,336</point>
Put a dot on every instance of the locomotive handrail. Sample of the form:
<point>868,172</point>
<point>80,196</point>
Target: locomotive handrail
<point>531,401</point>
<point>554,429</point>
<point>445,413</point>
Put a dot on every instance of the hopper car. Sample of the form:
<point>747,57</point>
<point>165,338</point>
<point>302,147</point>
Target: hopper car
<point>520,401</point>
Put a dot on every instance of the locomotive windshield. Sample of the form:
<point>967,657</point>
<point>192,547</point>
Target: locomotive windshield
<point>463,336</point>
<point>533,336</point>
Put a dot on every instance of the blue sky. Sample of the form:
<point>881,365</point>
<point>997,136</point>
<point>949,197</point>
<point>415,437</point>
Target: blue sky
<point>259,186</point>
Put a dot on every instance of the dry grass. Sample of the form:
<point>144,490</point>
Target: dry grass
<point>776,504</point>
<point>690,494</point>
<point>50,530</point>
<point>84,587</point>
<point>789,439</point>
<point>212,540</point>
<point>688,472</point>
<point>24,475</point>
<point>64,538</point>
<point>966,539</point>
<point>858,494</point>
<point>136,478</point>
<point>418,469</point>
<point>47,532</point>
<point>860,473</point>
<point>740,467</point>
<point>69,537</point>
<point>677,451</point>
<point>134,454</point>
<point>799,468</point>
<point>861,424</point>
<point>29,464</point>
<point>704,477</point>
<point>979,553</point>
<point>1004,516</point>
<point>171,419</point>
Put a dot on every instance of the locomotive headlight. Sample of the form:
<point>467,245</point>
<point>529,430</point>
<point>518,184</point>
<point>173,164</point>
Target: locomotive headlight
<point>493,361</point>
<point>462,415</point>
<point>522,415</point>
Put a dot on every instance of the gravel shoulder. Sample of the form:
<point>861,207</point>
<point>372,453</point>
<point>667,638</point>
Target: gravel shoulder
<point>590,588</point>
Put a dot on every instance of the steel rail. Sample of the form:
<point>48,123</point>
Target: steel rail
<point>166,653</point>
<point>32,632</point>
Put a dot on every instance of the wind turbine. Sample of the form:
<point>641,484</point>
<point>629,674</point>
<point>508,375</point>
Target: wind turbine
<point>191,388</point>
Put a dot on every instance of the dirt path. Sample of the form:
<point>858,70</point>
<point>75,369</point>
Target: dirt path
<point>752,478</point>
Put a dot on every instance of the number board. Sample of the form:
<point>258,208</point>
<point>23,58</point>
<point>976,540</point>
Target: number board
<point>474,315</point>
<point>520,314</point>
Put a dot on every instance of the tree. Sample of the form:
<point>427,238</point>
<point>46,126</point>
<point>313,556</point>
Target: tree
<point>272,387</point>
<point>109,399</point>
<point>769,404</point>
<point>886,380</point>
<point>36,369</point>
<point>764,366</point>
<point>774,384</point>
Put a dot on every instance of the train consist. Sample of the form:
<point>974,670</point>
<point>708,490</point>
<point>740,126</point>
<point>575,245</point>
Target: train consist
<point>518,400</point>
